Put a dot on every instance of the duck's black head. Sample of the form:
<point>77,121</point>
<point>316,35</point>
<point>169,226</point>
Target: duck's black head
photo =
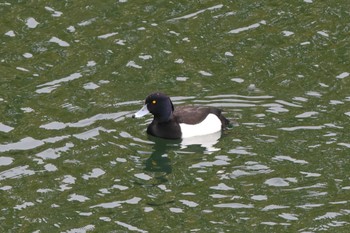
<point>159,105</point>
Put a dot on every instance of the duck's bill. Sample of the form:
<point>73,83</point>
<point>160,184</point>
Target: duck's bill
<point>143,111</point>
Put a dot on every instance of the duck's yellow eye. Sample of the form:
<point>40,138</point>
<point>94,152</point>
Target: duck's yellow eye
<point>154,102</point>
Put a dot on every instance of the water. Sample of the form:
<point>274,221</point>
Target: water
<point>73,160</point>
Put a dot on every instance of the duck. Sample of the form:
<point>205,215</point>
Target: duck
<point>180,122</point>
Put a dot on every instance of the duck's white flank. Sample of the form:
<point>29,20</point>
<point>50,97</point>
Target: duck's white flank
<point>211,124</point>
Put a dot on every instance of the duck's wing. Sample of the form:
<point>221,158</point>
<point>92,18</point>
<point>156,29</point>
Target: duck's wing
<point>196,114</point>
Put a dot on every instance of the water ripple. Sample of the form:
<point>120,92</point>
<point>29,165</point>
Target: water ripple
<point>196,13</point>
<point>114,204</point>
<point>16,172</point>
<point>84,122</point>
<point>250,27</point>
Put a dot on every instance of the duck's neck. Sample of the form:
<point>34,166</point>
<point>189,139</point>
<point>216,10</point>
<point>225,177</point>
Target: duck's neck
<point>166,116</point>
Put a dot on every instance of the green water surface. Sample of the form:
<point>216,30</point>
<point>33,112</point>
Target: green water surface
<point>72,73</point>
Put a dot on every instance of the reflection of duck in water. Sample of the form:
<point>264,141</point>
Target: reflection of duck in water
<point>160,159</point>
<point>181,122</point>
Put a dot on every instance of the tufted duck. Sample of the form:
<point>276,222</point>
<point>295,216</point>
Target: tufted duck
<point>183,122</point>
